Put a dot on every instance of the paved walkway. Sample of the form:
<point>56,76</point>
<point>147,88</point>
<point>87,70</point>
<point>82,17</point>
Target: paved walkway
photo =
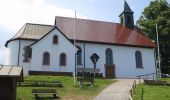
<point>119,90</point>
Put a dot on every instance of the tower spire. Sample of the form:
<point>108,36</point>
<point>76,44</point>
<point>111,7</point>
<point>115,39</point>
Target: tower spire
<point>126,17</point>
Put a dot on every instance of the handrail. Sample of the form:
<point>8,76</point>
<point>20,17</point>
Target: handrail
<point>139,76</point>
<point>153,77</point>
<point>146,74</point>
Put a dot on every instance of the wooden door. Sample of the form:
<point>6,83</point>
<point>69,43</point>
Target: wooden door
<point>110,71</point>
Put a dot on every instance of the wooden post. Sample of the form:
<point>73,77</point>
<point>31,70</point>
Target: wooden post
<point>142,94</point>
<point>139,79</point>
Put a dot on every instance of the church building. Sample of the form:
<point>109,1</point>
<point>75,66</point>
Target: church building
<point>122,51</point>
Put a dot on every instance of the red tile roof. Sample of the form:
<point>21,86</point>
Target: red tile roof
<point>101,32</point>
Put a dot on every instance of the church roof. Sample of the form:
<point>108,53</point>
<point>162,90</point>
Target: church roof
<point>126,7</point>
<point>87,31</point>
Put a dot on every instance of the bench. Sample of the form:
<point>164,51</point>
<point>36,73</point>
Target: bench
<point>37,92</point>
<point>85,79</point>
<point>40,83</point>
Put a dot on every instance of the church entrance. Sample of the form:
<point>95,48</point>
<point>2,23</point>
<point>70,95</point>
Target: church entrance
<point>110,71</point>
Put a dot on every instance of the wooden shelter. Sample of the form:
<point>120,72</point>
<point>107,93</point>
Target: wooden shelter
<point>9,75</point>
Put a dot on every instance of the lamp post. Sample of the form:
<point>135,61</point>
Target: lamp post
<point>158,53</point>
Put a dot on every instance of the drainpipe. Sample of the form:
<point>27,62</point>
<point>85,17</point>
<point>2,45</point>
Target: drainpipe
<point>84,54</point>
<point>19,52</point>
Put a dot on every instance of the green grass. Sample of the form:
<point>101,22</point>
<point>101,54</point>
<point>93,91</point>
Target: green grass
<point>152,92</point>
<point>69,91</point>
<point>166,79</point>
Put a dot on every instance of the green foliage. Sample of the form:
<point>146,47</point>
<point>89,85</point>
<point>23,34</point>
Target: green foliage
<point>152,92</point>
<point>68,92</point>
<point>158,12</point>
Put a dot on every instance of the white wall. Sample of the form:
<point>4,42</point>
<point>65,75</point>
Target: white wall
<point>45,45</point>
<point>12,54</point>
<point>123,58</point>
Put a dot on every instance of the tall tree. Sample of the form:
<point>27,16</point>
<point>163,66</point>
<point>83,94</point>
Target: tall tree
<point>158,12</point>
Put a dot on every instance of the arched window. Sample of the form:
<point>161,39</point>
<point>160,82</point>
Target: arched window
<point>63,59</point>
<point>46,58</point>
<point>79,56</point>
<point>55,39</point>
<point>138,56</point>
<point>27,54</point>
<point>129,19</point>
<point>109,56</point>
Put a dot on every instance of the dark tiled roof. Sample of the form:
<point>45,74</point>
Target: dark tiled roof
<point>87,31</point>
<point>126,7</point>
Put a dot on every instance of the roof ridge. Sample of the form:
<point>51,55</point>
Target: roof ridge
<point>87,19</point>
<point>40,24</point>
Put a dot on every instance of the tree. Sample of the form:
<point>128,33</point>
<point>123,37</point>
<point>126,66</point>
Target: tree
<point>158,12</point>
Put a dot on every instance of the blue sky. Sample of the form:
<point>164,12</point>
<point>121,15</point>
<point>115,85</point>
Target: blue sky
<point>18,12</point>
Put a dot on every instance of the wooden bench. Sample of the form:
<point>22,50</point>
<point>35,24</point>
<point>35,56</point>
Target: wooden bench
<point>40,83</point>
<point>37,92</point>
<point>85,79</point>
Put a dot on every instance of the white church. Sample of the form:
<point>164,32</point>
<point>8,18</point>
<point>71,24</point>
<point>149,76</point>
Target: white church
<point>44,49</point>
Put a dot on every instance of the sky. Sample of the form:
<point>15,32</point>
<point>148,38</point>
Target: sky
<point>15,13</point>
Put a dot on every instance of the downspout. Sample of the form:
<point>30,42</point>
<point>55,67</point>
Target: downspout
<point>19,52</point>
<point>84,55</point>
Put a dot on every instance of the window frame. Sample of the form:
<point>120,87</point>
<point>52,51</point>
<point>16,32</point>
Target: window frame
<point>109,55</point>
<point>79,54</point>
<point>138,59</point>
<point>44,58</point>
<point>65,59</point>
<point>55,39</point>
<point>27,54</point>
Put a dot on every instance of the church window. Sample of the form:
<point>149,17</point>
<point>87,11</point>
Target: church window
<point>27,54</point>
<point>79,56</point>
<point>46,58</point>
<point>63,59</point>
<point>109,56</point>
<point>55,39</point>
<point>121,20</point>
<point>138,56</point>
<point>129,19</point>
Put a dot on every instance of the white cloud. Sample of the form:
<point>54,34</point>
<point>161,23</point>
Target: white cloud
<point>15,13</point>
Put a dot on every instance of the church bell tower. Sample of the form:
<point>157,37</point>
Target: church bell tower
<point>126,17</point>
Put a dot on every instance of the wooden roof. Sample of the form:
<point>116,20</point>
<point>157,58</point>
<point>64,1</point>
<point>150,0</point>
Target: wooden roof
<point>10,71</point>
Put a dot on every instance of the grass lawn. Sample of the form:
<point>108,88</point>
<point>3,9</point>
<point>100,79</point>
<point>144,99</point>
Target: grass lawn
<point>152,92</point>
<point>68,92</point>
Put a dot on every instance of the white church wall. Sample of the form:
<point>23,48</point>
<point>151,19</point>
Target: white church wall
<point>12,53</point>
<point>46,45</point>
<point>123,58</point>
<point>26,65</point>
